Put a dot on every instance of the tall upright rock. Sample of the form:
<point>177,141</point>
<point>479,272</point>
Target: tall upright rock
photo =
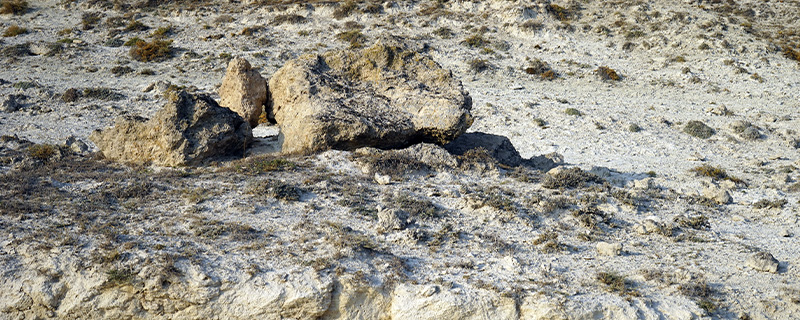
<point>243,90</point>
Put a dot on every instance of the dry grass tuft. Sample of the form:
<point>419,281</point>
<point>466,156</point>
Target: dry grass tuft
<point>155,51</point>
<point>16,7</point>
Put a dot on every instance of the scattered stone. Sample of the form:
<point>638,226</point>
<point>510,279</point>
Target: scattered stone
<point>386,96</point>
<point>644,184</point>
<point>717,194</point>
<point>609,249</point>
<point>391,219</point>
<point>243,90</point>
<point>382,179</point>
<point>189,129</point>
<point>648,226</point>
<point>76,145</point>
<point>763,261</point>
<point>11,102</point>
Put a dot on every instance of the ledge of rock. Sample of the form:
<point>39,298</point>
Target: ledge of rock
<point>385,96</point>
<point>189,129</point>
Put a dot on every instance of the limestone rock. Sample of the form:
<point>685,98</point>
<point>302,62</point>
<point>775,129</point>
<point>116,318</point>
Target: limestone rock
<point>243,90</point>
<point>717,194</point>
<point>763,261</point>
<point>391,219</point>
<point>358,302</point>
<point>419,302</point>
<point>189,129</point>
<point>386,96</point>
<point>609,249</point>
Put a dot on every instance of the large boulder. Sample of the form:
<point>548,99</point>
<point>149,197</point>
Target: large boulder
<point>189,129</point>
<point>385,96</point>
<point>243,90</point>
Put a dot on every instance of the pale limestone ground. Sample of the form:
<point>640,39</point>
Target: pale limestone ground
<point>658,93</point>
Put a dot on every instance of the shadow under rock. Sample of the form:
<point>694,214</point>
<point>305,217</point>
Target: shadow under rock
<point>502,150</point>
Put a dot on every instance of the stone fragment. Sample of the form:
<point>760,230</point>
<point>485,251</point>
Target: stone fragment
<point>244,91</point>
<point>189,129</point>
<point>76,145</point>
<point>386,96</point>
<point>609,249</point>
<point>11,102</point>
<point>391,219</point>
<point>717,194</point>
<point>763,261</point>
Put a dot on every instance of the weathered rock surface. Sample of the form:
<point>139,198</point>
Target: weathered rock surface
<point>609,249</point>
<point>391,219</point>
<point>243,90</point>
<point>763,261</point>
<point>189,129</point>
<point>385,96</point>
<point>11,102</point>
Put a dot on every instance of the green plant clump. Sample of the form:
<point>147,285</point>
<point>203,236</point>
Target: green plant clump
<point>698,129</point>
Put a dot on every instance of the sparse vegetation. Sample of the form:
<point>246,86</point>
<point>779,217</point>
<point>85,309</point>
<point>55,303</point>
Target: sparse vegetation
<point>344,10</point>
<point>14,30</point>
<point>573,112</point>
<point>288,18</point>
<point>607,74</point>
<point>42,151</point>
<point>540,68</point>
<point>634,128</point>
<point>100,93</point>
<point>157,50</point>
<point>715,173</point>
<point>16,7</point>
<point>770,204</point>
<point>616,283</point>
<point>444,33</point>
<point>415,207</point>
<point>698,129</point>
<point>569,178</point>
<point>478,65</point>
<point>354,37</point>
<point>790,53</point>
<point>476,41</point>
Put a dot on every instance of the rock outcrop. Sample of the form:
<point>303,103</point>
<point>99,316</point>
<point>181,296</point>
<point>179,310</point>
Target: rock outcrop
<point>243,90</point>
<point>385,96</point>
<point>189,129</point>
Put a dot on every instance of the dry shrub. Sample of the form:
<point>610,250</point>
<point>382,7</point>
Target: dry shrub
<point>17,7</point>
<point>157,50</point>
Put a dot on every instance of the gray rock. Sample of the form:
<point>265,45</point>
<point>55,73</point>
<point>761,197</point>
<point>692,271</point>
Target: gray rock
<point>763,261</point>
<point>386,96</point>
<point>391,219</point>
<point>189,129</point>
<point>11,102</point>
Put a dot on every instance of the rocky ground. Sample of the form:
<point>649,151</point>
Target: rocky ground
<point>674,125</point>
